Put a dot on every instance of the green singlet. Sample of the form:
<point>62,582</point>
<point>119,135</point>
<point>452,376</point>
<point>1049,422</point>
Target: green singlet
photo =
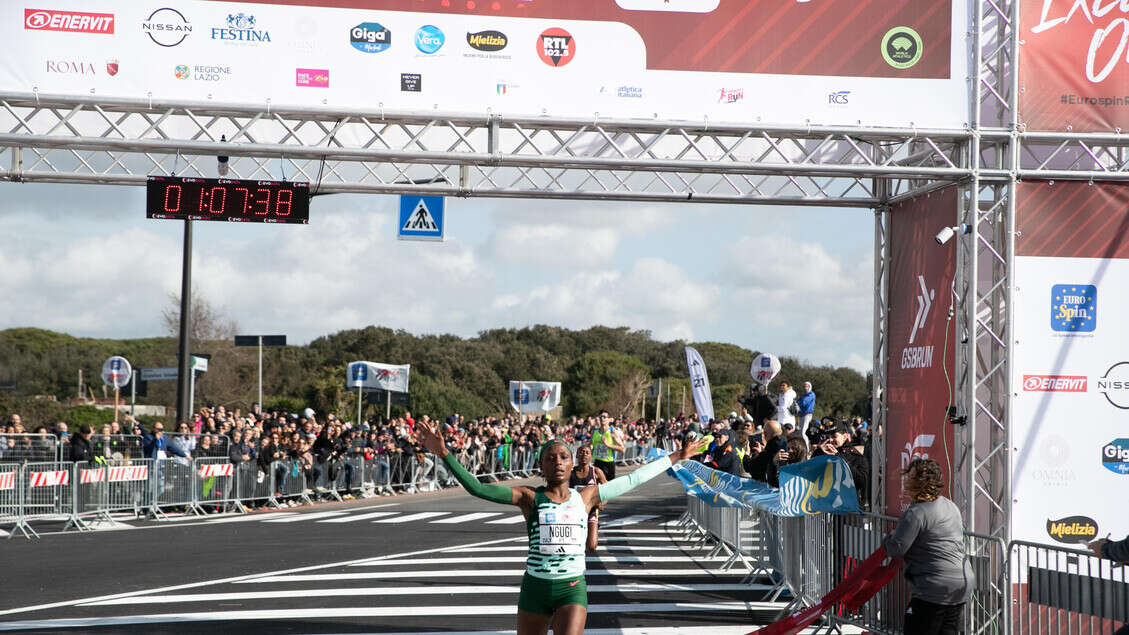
<point>554,571</point>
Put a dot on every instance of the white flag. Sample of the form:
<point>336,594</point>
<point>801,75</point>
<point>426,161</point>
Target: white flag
<point>699,385</point>
<point>382,376</point>
<point>528,397</point>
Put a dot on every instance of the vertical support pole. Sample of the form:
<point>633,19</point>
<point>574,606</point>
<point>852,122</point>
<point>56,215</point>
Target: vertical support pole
<point>659,401</point>
<point>117,393</point>
<point>184,365</point>
<point>881,353</point>
<point>261,372</point>
<point>133,393</point>
<point>191,391</point>
<point>388,405</point>
<point>80,384</point>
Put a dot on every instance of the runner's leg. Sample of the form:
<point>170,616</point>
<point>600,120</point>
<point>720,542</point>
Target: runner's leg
<point>569,619</point>
<point>532,623</point>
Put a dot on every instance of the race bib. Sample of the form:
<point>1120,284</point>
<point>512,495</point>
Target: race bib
<point>562,532</point>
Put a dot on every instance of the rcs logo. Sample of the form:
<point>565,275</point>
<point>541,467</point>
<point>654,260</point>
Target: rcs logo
<point>839,98</point>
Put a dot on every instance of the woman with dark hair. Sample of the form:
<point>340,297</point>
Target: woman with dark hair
<point>930,538</point>
<point>553,592</point>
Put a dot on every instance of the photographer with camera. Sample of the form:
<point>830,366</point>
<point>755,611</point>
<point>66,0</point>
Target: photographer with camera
<point>834,439</point>
<point>757,406</point>
<point>761,462</point>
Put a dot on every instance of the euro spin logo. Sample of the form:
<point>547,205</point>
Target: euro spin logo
<point>1074,308</point>
<point>1115,456</point>
<point>370,37</point>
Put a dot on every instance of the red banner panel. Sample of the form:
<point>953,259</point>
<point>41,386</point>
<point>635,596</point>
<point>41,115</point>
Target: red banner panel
<point>1073,65</point>
<point>917,394</point>
<point>1072,220</point>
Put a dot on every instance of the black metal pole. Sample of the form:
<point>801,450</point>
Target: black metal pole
<point>183,365</point>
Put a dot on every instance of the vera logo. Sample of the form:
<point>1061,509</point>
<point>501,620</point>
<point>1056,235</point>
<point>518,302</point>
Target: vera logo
<point>1073,529</point>
<point>1074,308</point>
<point>556,47</point>
<point>240,28</point>
<point>1115,456</point>
<point>489,41</point>
<point>1114,385</point>
<point>370,37</point>
<point>166,27</point>
<point>429,39</point>
<point>901,47</point>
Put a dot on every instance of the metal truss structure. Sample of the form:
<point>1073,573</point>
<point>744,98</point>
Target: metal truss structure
<point>51,138</point>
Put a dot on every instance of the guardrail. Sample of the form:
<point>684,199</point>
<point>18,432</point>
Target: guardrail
<point>1061,590</point>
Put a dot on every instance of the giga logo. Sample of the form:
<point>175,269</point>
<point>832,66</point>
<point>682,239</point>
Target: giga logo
<point>1073,529</point>
<point>1115,456</point>
<point>370,37</point>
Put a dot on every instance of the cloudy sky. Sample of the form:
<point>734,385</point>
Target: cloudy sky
<point>84,260</point>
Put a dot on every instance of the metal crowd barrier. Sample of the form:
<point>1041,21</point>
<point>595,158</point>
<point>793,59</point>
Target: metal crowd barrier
<point>1061,590</point>
<point>213,484</point>
<point>24,448</point>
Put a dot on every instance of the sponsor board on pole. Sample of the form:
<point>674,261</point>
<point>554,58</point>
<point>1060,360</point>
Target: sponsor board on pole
<point>843,63</point>
<point>365,375</point>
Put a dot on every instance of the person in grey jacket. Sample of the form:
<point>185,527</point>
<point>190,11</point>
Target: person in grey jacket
<point>930,538</point>
<point>1118,551</point>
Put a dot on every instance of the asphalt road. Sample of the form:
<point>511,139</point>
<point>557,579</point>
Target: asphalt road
<point>432,562</point>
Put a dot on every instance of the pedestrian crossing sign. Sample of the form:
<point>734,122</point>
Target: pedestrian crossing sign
<point>421,218</point>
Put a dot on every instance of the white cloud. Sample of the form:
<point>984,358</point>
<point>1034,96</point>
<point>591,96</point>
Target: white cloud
<point>862,364</point>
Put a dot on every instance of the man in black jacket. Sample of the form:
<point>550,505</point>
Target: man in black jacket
<point>81,447</point>
<point>837,442</point>
<point>721,455</point>
<point>759,462</point>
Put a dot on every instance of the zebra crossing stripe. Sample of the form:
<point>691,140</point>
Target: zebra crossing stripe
<point>411,517</point>
<point>369,611</point>
<point>465,518</point>
<point>301,517</point>
<point>503,559</point>
<point>487,573</point>
<point>248,517</point>
<point>356,517</point>
<point>630,520</point>
<point>426,590</point>
<point>512,520</point>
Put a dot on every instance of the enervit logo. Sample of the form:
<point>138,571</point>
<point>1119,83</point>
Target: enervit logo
<point>370,37</point>
<point>1115,456</point>
<point>1073,529</point>
<point>166,27</point>
<point>1074,308</point>
<point>312,77</point>
<point>1054,383</point>
<point>429,39</point>
<point>1114,384</point>
<point>839,98</point>
<point>556,47</point>
<point>70,21</point>
<point>489,41</point>
<point>902,47</point>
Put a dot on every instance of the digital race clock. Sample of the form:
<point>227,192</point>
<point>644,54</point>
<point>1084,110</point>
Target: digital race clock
<point>188,198</point>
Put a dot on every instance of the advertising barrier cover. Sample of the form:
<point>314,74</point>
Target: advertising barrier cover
<point>921,350</point>
<point>819,485</point>
<point>1070,419</point>
<point>743,61</point>
<point>1073,65</point>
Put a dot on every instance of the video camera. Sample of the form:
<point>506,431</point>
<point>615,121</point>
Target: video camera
<point>817,434</point>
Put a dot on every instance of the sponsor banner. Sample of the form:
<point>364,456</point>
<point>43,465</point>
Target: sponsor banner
<point>920,340</point>
<point>1070,413</point>
<point>529,397</point>
<point>737,61</point>
<point>821,485</point>
<point>383,376</point>
<point>699,385</point>
<point>1073,67</point>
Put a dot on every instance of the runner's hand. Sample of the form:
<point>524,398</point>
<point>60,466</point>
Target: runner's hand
<point>432,439</point>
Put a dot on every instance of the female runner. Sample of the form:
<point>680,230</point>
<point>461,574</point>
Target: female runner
<point>583,475</point>
<point>553,589</point>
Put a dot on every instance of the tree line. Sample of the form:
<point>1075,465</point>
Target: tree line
<point>599,368</point>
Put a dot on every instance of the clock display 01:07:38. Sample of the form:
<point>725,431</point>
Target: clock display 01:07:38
<point>227,200</point>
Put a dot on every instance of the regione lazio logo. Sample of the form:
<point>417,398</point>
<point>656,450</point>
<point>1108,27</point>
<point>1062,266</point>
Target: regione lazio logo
<point>1074,308</point>
<point>1115,456</point>
<point>556,47</point>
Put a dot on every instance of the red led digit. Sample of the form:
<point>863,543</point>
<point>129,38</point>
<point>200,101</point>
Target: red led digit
<point>246,198</point>
<point>212,203</point>
<point>202,194</point>
<point>168,192</point>
<point>266,203</point>
<point>289,194</point>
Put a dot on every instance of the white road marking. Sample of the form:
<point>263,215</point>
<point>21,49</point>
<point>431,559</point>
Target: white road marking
<point>512,520</point>
<point>241,578</point>
<point>411,517</point>
<point>422,590</point>
<point>648,630</point>
<point>503,559</point>
<point>301,517</point>
<point>351,518</point>
<point>600,548</point>
<point>359,611</point>
<point>629,520</point>
<point>259,516</point>
<point>486,573</point>
<point>465,518</point>
<point>665,532</point>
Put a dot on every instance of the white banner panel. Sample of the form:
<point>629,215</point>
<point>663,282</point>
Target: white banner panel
<point>877,62</point>
<point>699,385</point>
<point>1070,421</point>
<point>528,397</point>
<point>380,376</point>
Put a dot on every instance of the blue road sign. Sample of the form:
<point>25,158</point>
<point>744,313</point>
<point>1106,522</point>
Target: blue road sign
<point>421,218</point>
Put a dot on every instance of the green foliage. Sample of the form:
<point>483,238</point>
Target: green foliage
<point>88,415</point>
<point>599,367</point>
